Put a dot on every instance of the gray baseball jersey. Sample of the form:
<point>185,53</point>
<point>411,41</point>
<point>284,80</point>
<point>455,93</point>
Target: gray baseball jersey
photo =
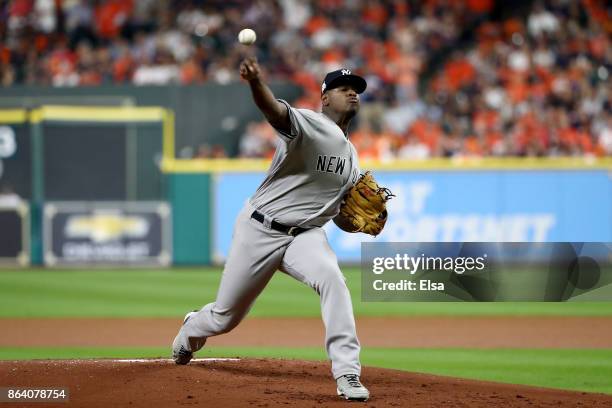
<point>311,171</point>
<point>314,166</point>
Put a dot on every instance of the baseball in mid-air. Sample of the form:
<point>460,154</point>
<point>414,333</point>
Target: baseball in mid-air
<point>247,36</point>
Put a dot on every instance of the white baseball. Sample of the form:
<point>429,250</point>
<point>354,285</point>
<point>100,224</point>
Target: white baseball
<point>247,36</point>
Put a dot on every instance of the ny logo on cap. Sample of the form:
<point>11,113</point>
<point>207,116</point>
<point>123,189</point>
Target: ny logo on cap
<point>346,72</point>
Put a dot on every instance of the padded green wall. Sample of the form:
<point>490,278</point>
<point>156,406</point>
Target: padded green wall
<point>189,194</point>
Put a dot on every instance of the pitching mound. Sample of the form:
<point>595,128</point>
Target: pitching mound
<point>264,383</point>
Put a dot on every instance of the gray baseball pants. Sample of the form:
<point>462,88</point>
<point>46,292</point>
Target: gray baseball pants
<point>255,255</point>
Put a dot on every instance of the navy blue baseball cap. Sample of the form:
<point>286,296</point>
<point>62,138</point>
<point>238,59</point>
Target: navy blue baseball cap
<point>341,77</point>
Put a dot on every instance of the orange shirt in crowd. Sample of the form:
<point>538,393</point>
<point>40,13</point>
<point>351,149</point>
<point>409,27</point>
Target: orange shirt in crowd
<point>110,16</point>
<point>486,119</point>
<point>307,81</point>
<point>122,68</point>
<point>5,55</point>
<point>333,55</point>
<point>20,8</point>
<point>316,23</point>
<point>517,89</point>
<point>472,146</point>
<point>573,138</point>
<point>61,60</point>
<point>459,72</point>
<point>531,132</point>
<point>363,140</point>
<point>512,26</point>
<point>90,78</point>
<point>480,6</point>
<point>492,139</point>
<point>599,13</point>
<point>598,45</point>
<point>41,42</point>
<point>191,72</point>
<point>392,51</point>
<point>427,132</point>
<point>375,14</point>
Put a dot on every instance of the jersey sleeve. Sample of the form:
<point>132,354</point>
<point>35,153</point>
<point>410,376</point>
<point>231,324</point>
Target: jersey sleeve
<point>297,122</point>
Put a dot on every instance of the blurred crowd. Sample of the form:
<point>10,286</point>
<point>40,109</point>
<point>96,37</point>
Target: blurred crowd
<point>538,84</point>
<point>532,86</point>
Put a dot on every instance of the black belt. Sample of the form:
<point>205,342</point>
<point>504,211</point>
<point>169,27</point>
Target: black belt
<point>277,226</point>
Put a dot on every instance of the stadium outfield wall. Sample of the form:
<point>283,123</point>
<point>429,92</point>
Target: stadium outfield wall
<point>500,200</point>
<point>202,114</point>
<point>126,154</point>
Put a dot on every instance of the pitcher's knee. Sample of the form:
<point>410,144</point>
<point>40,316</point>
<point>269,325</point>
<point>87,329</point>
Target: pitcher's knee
<point>225,322</point>
<point>333,281</point>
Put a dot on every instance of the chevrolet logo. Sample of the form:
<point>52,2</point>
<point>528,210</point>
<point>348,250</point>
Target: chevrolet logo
<point>106,227</point>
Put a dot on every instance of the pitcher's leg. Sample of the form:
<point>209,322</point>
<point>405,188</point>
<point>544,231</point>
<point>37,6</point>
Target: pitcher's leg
<point>254,256</point>
<point>310,259</point>
<point>242,281</point>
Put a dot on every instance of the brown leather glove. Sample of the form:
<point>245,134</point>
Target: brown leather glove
<point>364,207</point>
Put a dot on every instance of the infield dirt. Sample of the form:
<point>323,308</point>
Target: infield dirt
<point>265,383</point>
<point>471,332</point>
<point>271,383</point>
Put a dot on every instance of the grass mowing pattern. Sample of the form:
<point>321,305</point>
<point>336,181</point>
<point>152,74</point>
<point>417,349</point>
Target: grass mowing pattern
<point>581,370</point>
<point>170,293</point>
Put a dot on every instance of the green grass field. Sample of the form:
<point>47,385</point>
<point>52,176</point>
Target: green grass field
<point>169,293</point>
<point>163,293</point>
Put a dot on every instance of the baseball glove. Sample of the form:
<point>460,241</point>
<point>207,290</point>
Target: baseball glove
<point>364,208</point>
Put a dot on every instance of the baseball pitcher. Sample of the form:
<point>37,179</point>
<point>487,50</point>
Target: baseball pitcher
<point>280,227</point>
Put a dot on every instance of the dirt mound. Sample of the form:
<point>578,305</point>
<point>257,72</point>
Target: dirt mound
<point>264,383</point>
